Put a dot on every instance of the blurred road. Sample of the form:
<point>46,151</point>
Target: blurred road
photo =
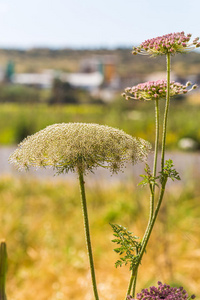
<point>187,164</point>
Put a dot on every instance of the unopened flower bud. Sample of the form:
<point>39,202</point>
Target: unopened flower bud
<point>194,86</point>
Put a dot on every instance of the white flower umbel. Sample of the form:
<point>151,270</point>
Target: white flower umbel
<point>72,146</point>
<point>80,147</point>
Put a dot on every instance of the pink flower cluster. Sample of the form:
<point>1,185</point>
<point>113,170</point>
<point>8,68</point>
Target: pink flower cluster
<point>170,43</point>
<point>153,90</point>
<point>163,291</point>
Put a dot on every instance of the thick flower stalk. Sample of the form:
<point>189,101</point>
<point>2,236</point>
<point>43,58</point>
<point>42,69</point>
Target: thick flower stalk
<point>80,147</point>
<point>153,90</point>
<point>171,43</point>
<point>74,146</point>
<point>163,291</point>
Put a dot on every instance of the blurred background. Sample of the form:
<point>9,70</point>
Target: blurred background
<point>69,61</point>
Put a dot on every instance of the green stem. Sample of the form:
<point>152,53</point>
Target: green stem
<point>3,270</point>
<point>145,241</point>
<point>133,279</point>
<point>146,238</point>
<point>166,113</point>
<point>134,283</point>
<point>155,159</point>
<point>152,222</point>
<point>130,283</point>
<point>156,139</point>
<point>153,215</point>
<point>87,232</point>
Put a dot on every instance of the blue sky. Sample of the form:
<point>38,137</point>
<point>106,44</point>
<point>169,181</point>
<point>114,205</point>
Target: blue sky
<point>91,23</point>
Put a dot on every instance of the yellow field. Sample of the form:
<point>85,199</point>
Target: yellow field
<point>43,228</point>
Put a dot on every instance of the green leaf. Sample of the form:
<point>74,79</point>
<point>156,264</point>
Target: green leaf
<point>129,246</point>
<point>169,172</point>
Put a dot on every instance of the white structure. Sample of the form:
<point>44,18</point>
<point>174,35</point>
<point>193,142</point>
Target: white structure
<point>43,80</point>
<point>89,81</point>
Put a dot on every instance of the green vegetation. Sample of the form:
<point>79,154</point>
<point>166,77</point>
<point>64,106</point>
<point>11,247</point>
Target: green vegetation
<point>42,225</point>
<point>68,60</point>
<point>137,119</point>
<point>61,93</point>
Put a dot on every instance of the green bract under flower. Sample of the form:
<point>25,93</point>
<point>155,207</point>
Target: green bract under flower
<point>79,146</point>
<point>153,90</point>
<point>171,43</point>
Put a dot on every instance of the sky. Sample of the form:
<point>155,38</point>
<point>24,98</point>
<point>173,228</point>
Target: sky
<point>93,23</point>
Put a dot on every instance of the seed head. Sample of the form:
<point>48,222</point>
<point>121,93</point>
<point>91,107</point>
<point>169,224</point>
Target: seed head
<point>79,146</point>
<point>169,43</point>
<point>152,90</point>
<point>163,291</point>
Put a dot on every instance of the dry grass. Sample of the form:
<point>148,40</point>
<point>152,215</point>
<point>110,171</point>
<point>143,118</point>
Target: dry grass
<point>42,224</point>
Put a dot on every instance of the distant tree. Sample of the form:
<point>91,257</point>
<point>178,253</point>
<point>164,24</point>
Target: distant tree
<point>9,71</point>
<point>19,94</point>
<point>63,92</point>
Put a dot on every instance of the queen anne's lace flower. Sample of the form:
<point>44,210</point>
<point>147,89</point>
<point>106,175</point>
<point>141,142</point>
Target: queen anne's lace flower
<point>170,43</point>
<point>72,146</point>
<point>152,90</point>
<point>163,291</point>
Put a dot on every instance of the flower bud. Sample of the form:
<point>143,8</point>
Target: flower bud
<point>194,86</point>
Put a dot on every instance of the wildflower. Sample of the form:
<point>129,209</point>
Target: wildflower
<point>171,43</point>
<point>152,90</point>
<point>163,291</point>
<point>79,146</point>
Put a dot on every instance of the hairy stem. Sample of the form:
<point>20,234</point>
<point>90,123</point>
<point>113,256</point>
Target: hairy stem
<point>148,234</point>
<point>146,239</point>
<point>133,279</point>
<point>166,113</point>
<point>157,124</point>
<point>155,161</point>
<point>153,215</point>
<point>87,232</point>
<point>3,270</point>
<point>134,283</point>
<point>130,283</point>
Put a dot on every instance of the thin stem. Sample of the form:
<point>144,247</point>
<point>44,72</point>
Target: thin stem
<point>3,270</point>
<point>130,283</point>
<point>148,234</point>
<point>153,215</point>
<point>133,279</point>
<point>156,138</point>
<point>145,241</point>
<point>87,232</point>
<point>166,112</point>
<point>134,283</point>
<point>155,159</point>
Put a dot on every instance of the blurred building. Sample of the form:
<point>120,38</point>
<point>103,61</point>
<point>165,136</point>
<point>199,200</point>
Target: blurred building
<point>88,81</point>
<point>103,64</point>
<point>39,80</point>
